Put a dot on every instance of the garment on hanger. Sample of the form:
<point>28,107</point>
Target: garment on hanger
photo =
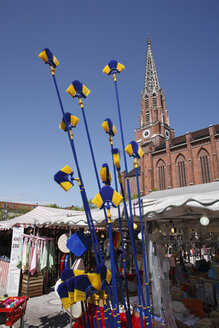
<point>36,254</point>
<point>45,257</point>
<point>24,256</point>
<point>19,259</point>
<point>51,256</point>
<point>33,262</point>
<point>40,256</point>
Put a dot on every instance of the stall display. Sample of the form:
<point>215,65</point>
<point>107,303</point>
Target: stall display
<point>12,309</point>
<point>192,286</point>
<point>35,259</point>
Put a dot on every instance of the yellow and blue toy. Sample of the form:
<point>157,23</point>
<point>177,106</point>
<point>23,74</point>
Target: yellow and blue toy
<point>109,127</point>
<point>113,67</point>
<point>48,58</point>
<point>77,89</point>
<point>105,174</point>
<point>77,285</point>
<point>116,158</point>
<point>133,149</point>
<point>64,178</point>
<point>70,120</point>
<point>107,195</point>
<point>78,243</point>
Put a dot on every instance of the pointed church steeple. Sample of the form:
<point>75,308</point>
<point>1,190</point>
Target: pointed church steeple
<point>154,123</point>
<point>151,78</point>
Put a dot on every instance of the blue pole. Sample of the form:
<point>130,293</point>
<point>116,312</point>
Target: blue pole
<point>84,198</point>
<point>115,294</point>
<point>123,248</point>
<point>83,193</point>
<point>143,247</point>
<point>129,194</point>
<point>140,291</point>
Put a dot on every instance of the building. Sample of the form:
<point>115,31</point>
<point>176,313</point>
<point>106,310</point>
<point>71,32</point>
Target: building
<point>169,161</point>
<point>17,206</point>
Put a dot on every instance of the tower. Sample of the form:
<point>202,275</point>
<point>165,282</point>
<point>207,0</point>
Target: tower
<point>169,161</point>
<point>154,120</point>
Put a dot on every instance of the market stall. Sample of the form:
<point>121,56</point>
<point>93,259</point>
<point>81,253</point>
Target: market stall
<point>175,239</point>
<point>182,233</point>
<point>49,223</point>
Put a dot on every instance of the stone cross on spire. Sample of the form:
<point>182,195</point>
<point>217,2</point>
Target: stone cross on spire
<point>151,83</point>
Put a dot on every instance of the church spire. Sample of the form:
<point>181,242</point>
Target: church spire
<point>151,78</point>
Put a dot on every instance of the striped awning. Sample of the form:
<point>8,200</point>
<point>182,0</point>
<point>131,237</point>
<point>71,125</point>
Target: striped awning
<point>179,203</point>
<point>51,217</point>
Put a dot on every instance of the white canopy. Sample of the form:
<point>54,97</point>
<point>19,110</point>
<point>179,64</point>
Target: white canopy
<point>53,217</point>
<point>179,203</point>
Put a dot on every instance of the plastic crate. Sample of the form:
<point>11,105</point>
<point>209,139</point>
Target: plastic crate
<point>9,316</point>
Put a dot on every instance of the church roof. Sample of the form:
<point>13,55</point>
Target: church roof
<point>151,78</point>
<point>199,134</point>
<point>132,172</point>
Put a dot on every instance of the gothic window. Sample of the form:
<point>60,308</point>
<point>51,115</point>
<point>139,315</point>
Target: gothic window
<point>161,175</point>
<point>147,116</point>
<point>154,100</point>
<point>146,102</point>
<point>203,158</point>
<point>181,170</point>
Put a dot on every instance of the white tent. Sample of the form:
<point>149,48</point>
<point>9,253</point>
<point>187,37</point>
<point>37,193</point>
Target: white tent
<point>179,203</point>
<point>51,217</point>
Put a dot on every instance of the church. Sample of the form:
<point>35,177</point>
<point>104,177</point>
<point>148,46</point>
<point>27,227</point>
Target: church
<point>169,161</point>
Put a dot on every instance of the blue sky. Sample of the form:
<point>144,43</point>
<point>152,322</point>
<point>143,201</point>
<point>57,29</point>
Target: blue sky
<point>84,36</point>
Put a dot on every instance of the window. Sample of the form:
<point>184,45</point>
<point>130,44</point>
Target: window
<point>147,116</point>
<point>11,205</point>
<point>154,100</point>
<point>146,102</point>
<point>204,166</point>
<point>161,175</point>
<point>181,170</point>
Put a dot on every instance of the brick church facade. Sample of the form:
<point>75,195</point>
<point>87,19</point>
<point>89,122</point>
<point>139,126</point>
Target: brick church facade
<point>169,161</point>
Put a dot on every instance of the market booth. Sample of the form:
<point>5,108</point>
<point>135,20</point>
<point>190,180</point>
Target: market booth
<point>182,234</point>
<point>44,225</point>
<point>182,254</point>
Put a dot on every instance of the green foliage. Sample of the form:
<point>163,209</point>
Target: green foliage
<point>77,208</point>
<point>10,214</point>
<point>154,189</point>
<point>91,206</point>
<point>53,206</point>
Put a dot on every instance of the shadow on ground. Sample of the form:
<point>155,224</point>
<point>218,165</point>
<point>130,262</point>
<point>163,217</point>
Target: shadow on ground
<point>60,320</point>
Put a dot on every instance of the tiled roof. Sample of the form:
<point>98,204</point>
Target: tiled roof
<point>132,172</point>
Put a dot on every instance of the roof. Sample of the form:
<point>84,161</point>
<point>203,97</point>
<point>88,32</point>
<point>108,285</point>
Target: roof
<point>53,217</point>
<point>196,135</point>
<point>182,203</point>
<point>179,203</point>
<point>132,173</point>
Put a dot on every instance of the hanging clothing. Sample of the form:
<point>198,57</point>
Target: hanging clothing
<point>40,257</point>
<point>30,255</point>
<point>33,263</point>
<point>45,257</point>
<point>24,256</point>
<point>36,254</point>
<point>51,256</point>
